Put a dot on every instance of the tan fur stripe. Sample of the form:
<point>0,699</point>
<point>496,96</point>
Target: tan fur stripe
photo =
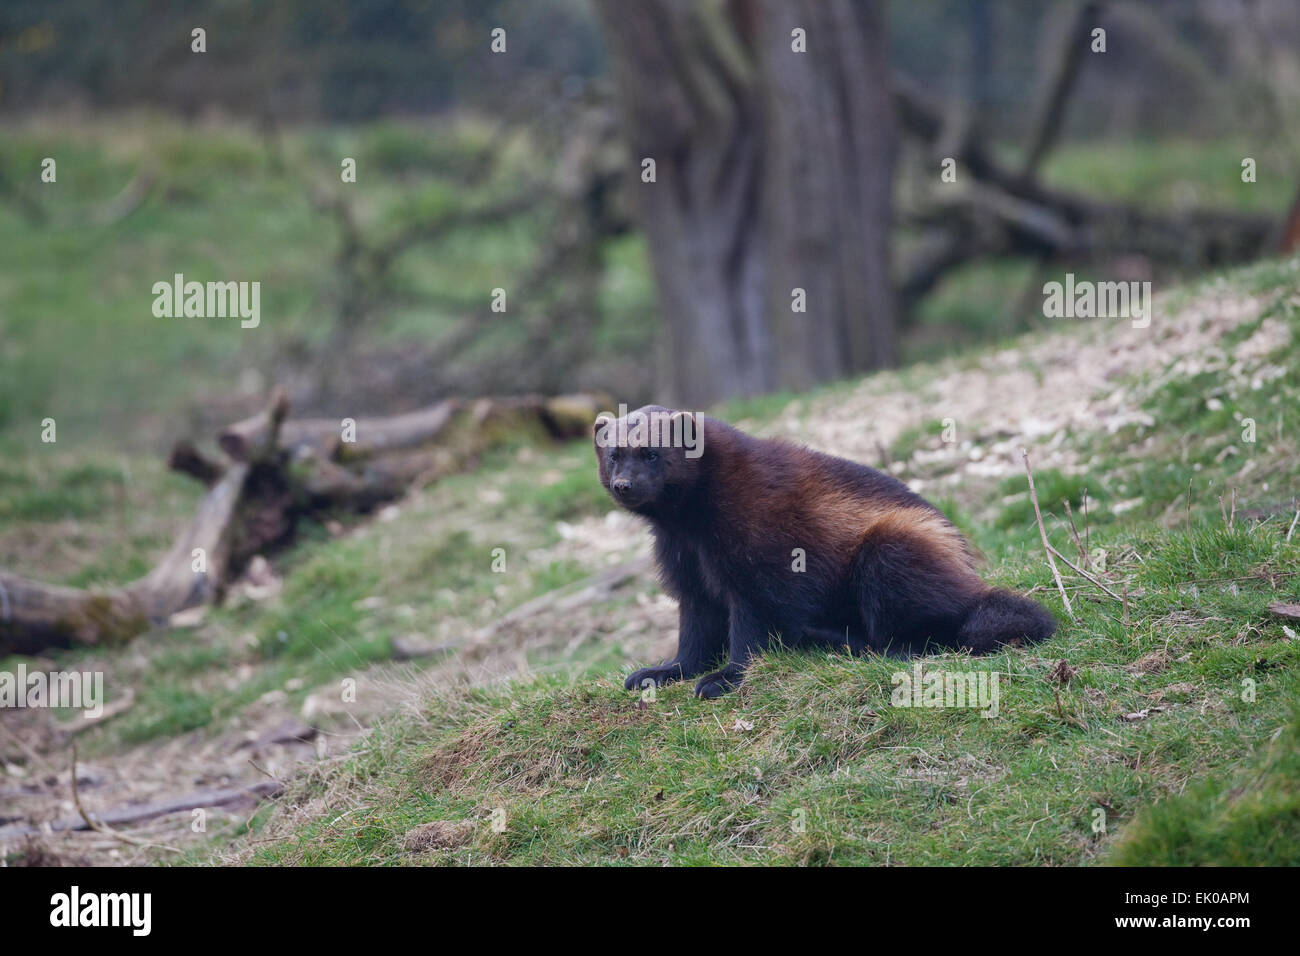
<point>933,532</point>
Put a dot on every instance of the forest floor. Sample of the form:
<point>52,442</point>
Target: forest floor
<point>422,702</point>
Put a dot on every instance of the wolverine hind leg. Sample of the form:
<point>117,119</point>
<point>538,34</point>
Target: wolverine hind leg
<point>913,596</point>
<point>917,597</point>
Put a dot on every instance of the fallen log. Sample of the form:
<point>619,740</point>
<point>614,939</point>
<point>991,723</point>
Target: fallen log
<point>36,616</point>
<point>188,460</point>
<point>281,471</point>
<point>566,416</point>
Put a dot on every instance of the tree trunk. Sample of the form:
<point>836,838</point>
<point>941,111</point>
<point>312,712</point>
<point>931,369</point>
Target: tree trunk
<point>773,173</point>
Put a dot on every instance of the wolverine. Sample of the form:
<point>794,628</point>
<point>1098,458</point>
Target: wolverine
<point>763,540</point>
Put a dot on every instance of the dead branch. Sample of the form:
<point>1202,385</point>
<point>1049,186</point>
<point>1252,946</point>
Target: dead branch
<point>1051,112</point>
<point>581,593</point>
<point>1074,533</point>
<point>281,472</point>
<point>1042,532</point>
<point>186,459</point>
<point>1070,564</point>
<point>99,826</point>
<point>35,616</point>
<point>263,789</point>
<point>119,706</point>
<point>1000,211</point>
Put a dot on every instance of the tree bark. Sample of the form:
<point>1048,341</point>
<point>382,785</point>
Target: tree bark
<point>773,173</point>
<point>830,151</point>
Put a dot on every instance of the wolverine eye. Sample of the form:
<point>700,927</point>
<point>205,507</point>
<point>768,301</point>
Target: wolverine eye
<point>651,455</point>
<point>614,455</point>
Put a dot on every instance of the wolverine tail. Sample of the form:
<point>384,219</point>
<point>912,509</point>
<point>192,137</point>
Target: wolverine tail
<point>1004,617</point>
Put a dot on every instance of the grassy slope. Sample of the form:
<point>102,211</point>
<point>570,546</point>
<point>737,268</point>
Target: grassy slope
<point>83,512</point>
<point>809,762</point>
<point>584,773</point>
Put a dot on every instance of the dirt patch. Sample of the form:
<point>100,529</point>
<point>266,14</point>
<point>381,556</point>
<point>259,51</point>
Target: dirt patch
<point>438,835</point>
<point>1152,663</point>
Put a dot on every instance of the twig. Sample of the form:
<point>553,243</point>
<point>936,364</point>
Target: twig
<point>26,748</point>
<point>1293,524</point>
<point>1042,533</point>
<point>104,828</point>
<point>119,706</point>
<point>1087,532</point>
<point>1126,604</point>
<point>1085,574</point>
<point>1074,531</point>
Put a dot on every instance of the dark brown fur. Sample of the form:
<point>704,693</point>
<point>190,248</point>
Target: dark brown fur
<point>885,570</point>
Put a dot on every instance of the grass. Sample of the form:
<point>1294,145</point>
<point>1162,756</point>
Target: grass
<point>581,772</point>
<point>1256,820</point>
<point>1173,741</point>
<point>809,762</point>
<point>79,342</point>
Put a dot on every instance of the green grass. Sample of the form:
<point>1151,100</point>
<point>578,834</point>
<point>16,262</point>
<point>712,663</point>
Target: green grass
<point>1174,742</point>
<point>1255,821</point>
<point>582,772</point>
<point>809,762</point>
<point>1174,174</point>
<point>79,342</point>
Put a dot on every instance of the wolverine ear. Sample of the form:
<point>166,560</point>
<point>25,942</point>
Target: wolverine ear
<point>688,421</point>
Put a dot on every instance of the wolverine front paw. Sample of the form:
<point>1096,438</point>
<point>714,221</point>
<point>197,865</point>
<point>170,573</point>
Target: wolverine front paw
<point>663,674</point>
<point>720,682</point>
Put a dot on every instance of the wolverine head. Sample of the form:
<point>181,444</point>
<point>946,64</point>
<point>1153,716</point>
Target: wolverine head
<point>647,457</point>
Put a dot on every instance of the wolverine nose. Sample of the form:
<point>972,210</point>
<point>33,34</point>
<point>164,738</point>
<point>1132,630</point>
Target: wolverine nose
<point>621,486</point>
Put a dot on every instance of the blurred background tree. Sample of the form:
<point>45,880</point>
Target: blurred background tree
<point>769,217</point>
<point>776,171</point>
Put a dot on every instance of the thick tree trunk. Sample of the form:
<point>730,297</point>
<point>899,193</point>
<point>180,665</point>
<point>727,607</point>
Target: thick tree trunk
<point>773,173</point>
<point>830,167</point>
